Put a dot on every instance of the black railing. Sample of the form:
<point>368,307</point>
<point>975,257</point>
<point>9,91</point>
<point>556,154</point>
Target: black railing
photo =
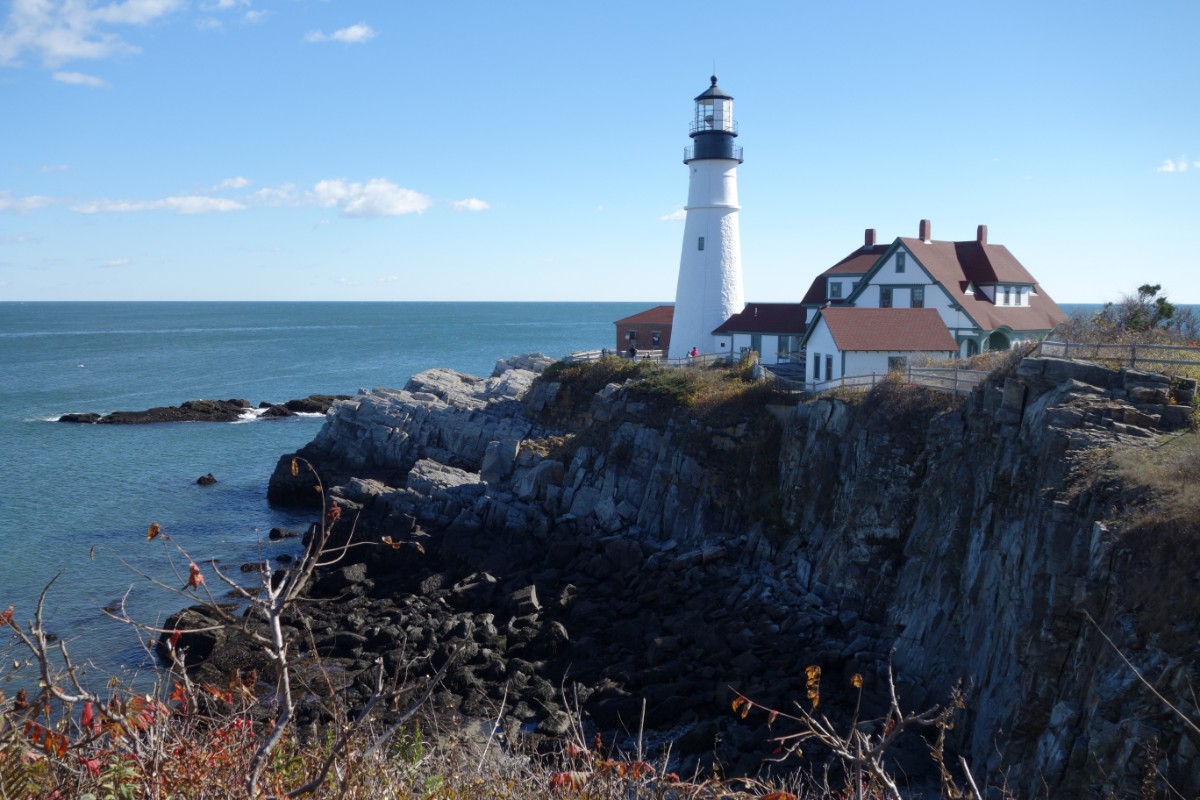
<point>689,154</point>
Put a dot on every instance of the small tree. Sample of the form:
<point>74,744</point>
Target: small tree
<point>1146,316</point>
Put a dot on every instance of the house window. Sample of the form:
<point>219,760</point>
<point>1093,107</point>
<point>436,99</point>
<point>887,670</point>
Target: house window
<point>1007,295</point>
<point>900,262</point>
<point>828,368</point>
<point>835,290</point>
<point>897,363</point>
<point>816,366</point>
<point>631,336</point>
<point>784,349</point>
<point>701,246</point>
<point>918,297</point>
<point>885,297</point>
<point>655,339</point>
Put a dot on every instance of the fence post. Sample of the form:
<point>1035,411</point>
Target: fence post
<point>1133,356</point>
<point>956,382</point>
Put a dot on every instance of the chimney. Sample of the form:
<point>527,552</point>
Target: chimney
<point>924,231</point>
<point>981,234</point>
<point>869,239</point>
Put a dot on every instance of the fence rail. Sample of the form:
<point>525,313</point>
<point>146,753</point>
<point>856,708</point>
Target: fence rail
<point>1131,355</point>
<point>657,356</point>
<point>947,379</point>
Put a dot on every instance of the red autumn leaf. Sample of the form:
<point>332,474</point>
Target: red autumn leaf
<point>333,514</point>
<point>6,616</point>
<point>153,531</point>
<point>88,716</point>
<point>779,796</point>
<point>174,638</point>
<point>21,701</point>
<point>195,579</point>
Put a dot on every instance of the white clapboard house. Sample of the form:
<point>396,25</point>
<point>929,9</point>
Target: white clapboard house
<point>921,298</point>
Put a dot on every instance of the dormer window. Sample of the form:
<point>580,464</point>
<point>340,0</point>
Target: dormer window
<point>835,290</point>
<point>1008,295</point>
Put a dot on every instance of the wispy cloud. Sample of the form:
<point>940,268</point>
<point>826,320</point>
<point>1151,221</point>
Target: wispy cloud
<point>377,197</point>
<point>355,34</point>
<point>674,216</point>
<point>232,183</point>
<point>59,31</point>
<point>114,263</point>
<point>181,204</point>
<point>48,168</point>
<point>24,205</point>
<point>471,204</point>
<point>1177,165</point>
<point>81,79</point>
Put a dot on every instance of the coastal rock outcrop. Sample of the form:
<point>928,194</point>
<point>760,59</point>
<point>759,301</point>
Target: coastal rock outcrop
<point>207,411</point>
<point>658,562</point>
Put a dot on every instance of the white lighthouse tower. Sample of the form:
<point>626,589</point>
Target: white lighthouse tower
<point>710,266</point>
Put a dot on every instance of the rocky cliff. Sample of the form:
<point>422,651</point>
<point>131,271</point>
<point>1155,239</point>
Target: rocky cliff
<point>656,561</point>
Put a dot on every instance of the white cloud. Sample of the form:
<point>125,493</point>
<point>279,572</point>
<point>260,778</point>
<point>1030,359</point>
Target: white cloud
<point>1175,166</point>
<point>286,195</point>
<point>232,183</point>
<point>113,263</point>
<point>377,197</point>
<point>47,168</point>
<point>59,31</point>
<point>355,34</point>
<point>674,216</point>
<point>181,204</point>
<point>471,204</point>
<point>24,205</point>
<point>80,79</point>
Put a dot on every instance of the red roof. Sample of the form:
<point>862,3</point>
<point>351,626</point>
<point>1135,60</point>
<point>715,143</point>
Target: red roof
<point>956,265</point>
<point>659,315</point>
<point>786,318</point>
<point>901,330</point>
<point>857,263</point>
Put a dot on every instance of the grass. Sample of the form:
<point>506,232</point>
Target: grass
<point>1159,546</point>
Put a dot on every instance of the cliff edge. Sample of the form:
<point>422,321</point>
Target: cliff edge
<point>657,559</point>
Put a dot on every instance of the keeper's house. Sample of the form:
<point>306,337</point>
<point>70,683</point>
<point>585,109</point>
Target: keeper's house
<point>978,293</point>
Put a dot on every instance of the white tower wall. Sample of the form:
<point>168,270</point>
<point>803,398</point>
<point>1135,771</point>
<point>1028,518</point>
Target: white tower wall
<point>709,290</point>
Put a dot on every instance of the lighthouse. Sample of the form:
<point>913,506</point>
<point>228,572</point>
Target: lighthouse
<point>710,266</point>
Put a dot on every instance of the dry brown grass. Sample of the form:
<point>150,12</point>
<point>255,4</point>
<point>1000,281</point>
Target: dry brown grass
<point>1160,545</point>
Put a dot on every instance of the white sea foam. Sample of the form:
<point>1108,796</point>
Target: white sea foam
<point>249,415</point>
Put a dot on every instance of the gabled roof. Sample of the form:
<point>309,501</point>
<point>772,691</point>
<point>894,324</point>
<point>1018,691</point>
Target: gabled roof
<point>786,318</point>
<point>957,265</point>
<point>659,315</point>
<point>903,330</point>
<point>857,263</point>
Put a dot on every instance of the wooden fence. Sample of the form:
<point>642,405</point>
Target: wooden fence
<point>1145,356</point>
<point>657,356</point>
<point>956,381</point>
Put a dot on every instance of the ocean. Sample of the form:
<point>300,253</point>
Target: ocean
<point>76,500</point>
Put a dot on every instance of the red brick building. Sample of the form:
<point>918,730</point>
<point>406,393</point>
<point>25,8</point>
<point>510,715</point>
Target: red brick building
<point>646,330</point>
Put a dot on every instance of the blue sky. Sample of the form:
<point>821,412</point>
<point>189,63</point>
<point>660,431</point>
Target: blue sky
<point>388,150</point>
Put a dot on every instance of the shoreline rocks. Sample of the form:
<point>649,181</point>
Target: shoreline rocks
<point>634,558</point>
<point>208,411</point>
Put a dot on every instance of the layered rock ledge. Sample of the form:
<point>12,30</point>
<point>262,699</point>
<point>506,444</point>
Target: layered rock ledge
<point>645,564</point>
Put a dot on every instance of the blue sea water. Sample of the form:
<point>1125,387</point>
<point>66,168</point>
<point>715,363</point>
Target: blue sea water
<point>76,500</point>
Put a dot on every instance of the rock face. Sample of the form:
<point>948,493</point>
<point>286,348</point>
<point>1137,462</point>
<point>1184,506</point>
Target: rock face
<point>654,558</point>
